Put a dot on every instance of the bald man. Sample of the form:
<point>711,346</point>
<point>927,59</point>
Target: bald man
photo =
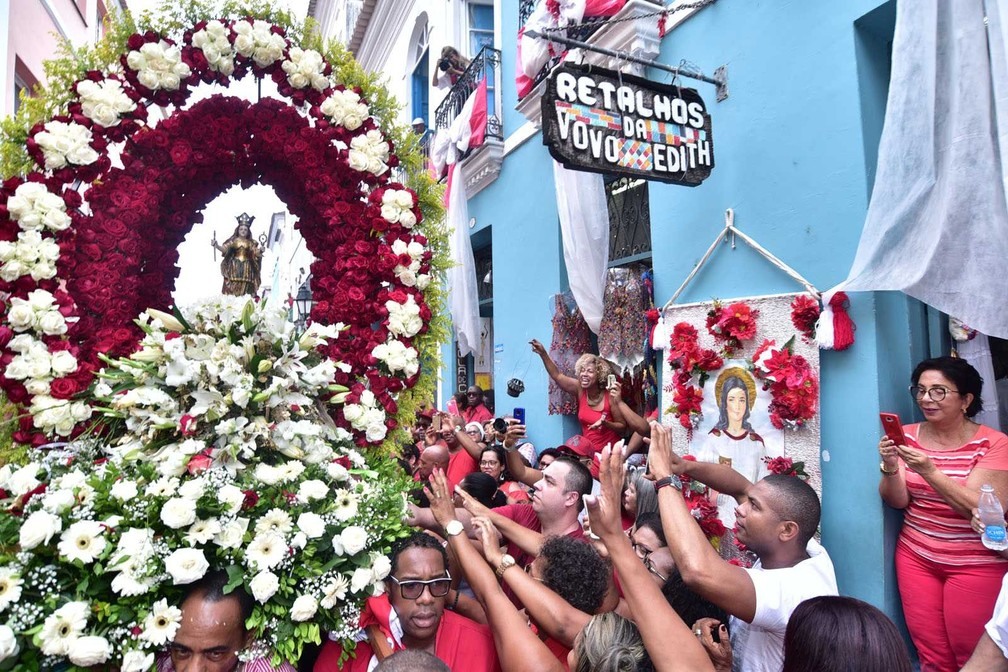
<point>435,455</point>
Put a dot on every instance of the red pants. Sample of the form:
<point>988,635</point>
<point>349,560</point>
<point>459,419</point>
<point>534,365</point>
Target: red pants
<point>946,607</point>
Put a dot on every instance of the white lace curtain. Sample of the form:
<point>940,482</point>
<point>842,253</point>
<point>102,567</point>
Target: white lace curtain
<point>937,224</point>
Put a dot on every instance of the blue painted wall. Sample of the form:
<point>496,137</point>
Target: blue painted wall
<point>795,147</point>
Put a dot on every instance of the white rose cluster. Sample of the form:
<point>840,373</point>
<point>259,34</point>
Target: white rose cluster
<point>104,102</point>
<point>304,68</point>
<point>39,313</point>
<point>159,65</point>
<point>404,318</point>
<point>398,357</point>
<point>345,108</point>
<point>410,275</point>
<point>257,41</point>
<point>66,143</point>
<point>35,208</point>
<point>37,366</point>
<point>30,254</point>
<point>57,415</point>
<point>397,207</point>
<point>213,41</point>
<point>369,153</point>
<point>367,416</point>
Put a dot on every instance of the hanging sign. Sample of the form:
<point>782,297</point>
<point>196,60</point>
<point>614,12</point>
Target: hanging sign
<point>600,121</point>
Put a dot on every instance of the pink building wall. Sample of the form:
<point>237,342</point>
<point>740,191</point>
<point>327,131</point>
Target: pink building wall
<point>31,33</point>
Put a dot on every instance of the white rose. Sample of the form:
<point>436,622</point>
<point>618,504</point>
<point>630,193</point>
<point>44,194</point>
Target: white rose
<point>381,567</point>
<point>360,580</point>
<point>232,534</point>
<point>231,497</point>
<point>303,608</point>
<point>313,489</point>
<point>376,432</point>
<point>354,539</point>
<point>8,643</point>
<point>89,650</point>
<point>124,490</point>
<point>23,480</point>
<point>311,524</point>
<point>21,316</point>
<point>186,565</point>
<point>264,586</point>
<point>63,363</point>
<point>52,323</point>
<point>58,501</point>
<point>39,528</point>
<point>178,512</point>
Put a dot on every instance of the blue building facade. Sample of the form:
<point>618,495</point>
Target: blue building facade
<point>795,149</point>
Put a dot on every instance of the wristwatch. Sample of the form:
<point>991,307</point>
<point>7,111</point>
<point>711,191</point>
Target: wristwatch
<point>453,528</point>
<point>881,466</point>
<point>506,562</point>
<point>672,480</point>
<point>457,429</point>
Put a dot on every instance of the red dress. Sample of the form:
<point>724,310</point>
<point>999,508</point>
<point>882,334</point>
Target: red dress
<point>462,644</point>
<point>587,416</point>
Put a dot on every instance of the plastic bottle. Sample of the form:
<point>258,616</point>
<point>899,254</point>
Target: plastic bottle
<point>992,516</point>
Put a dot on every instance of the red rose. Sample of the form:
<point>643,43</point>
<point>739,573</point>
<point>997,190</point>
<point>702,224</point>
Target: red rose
<point>251,499</point>
<point>63,388</point>
<point>199,463</point>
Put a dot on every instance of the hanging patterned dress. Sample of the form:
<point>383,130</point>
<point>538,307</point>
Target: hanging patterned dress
<point>624,327</point>
<point>571,339</point>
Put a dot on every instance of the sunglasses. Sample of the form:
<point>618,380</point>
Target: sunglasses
<point>412,589</point>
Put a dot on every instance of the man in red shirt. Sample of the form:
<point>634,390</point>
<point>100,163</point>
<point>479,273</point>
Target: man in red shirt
<point>412,615</point>
<point>476,411</point>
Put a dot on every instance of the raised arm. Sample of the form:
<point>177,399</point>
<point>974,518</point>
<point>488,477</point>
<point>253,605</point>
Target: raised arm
<point>660,626</point>
<point>721,477</point>
<point>466,441</point>
<point>527,540</point>
<point>633,422</point>
<point>516,467</point>
<point>566,383</point>
<point>702,569</point>
<point>518,650</point>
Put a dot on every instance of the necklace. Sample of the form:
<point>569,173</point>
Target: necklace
<point>597,400</point>
<point>965,431</point>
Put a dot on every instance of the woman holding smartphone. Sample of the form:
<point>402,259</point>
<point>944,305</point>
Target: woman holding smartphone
<point>948,580</point>
<point>601,420</point>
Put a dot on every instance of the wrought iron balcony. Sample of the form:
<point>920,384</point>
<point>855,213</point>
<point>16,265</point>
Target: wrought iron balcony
<point>486,65</point>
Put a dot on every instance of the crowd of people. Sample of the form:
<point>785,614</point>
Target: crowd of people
<point>572,558</point>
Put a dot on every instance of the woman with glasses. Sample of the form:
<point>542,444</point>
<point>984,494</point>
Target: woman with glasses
<point>948,580</point>
<point>493,463</point>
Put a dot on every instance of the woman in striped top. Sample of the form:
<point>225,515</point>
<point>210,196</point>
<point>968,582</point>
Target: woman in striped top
<point>948,580</point>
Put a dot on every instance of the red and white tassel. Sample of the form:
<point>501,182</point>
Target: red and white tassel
<point>835,329</point>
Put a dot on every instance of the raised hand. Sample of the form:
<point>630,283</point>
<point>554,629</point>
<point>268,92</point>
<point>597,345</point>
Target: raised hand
<point>604,508</point>
<point>490,539</point>
<point>537,347</point>
<point>440,498</point>
<point>514,433</point>
<point>720,652</point>
<point>470,503</point>
<point>662,460</point>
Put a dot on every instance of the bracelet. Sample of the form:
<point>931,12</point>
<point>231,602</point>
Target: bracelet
<point>881,466</point>
<point>454,603</point>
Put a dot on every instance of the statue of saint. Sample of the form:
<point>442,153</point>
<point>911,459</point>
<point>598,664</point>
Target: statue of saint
<point>242,263</point>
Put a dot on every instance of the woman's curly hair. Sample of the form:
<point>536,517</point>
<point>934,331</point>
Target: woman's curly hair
<point>576,572</point>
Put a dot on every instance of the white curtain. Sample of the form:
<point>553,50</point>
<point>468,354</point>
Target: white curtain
<point>977,352</point>
<point>937,225</point>
<point>463,301</point>
<point>584,227</point>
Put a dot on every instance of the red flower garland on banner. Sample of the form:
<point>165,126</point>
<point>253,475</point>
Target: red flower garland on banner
<point>79,266</point>
<point>791,381</point>
<point>689,360</point>
<point>786,466</point>
<point>731,324</point>
<point>804,314</point>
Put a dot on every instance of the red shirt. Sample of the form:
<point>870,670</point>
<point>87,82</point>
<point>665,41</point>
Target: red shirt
<point>526,517</point>
<point>462,644</point>
<point>478,413</point>
<point>460,465</point>
<point>587,416</point>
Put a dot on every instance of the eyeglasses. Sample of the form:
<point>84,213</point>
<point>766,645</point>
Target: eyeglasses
<point>654,570</point>
<point>936,393</point>
<point>641,551</point>
<point>412,589</point>
<point>489,463</point>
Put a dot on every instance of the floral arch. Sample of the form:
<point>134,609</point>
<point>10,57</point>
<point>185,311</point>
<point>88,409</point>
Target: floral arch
<point>86,245</point>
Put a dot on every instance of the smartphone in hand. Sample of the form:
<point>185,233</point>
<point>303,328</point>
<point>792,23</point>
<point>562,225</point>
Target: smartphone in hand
<point>893,428</point>
<point>436,422</point>
<point>611,381</point>
<point>519,415</point>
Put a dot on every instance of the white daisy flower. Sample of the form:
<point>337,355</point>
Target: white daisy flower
<point>266,551</point>
<point>62,627</point>
<point>82,541</point>
<point>161,624</point>
<point>277,521</point>
<point>10,587</point>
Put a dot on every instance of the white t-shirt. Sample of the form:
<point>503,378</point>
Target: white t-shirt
<point>997,626</point>
<point>759,646</point>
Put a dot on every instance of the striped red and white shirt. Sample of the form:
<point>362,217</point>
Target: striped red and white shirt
<point>931,528</point>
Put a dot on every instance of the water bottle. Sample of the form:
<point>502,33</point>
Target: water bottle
<point>992,516</point>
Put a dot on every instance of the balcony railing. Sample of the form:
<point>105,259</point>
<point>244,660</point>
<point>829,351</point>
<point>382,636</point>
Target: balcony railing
<point>582,31</point>
<point>486,65</point>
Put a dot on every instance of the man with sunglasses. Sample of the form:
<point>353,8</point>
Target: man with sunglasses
<point>412,615</point>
